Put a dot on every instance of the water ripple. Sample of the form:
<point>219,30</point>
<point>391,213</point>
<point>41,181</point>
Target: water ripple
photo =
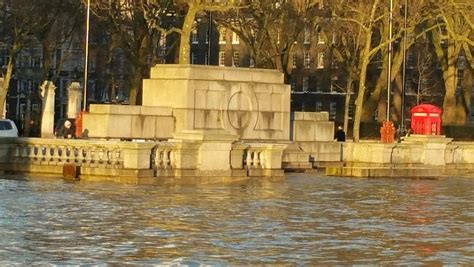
<point>307,220</point>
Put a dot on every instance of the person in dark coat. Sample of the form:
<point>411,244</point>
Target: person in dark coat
<point>68,131</point>
<point>340,135</point>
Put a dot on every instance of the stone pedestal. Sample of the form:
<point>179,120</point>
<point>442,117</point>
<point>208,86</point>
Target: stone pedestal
<point>211,149</point>
<point>74,100</point>
<point>47,121</point>
<point>136,155</point>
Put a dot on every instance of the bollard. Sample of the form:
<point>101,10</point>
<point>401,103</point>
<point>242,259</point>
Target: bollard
<point>71,172</point>
<point>387,132</point>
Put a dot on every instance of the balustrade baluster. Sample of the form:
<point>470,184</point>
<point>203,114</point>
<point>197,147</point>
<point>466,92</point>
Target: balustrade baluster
<point>256,159</point>
<point>55,158</point>
<point>80,156</point>
<point>248,160</point>
<point>88,156</point>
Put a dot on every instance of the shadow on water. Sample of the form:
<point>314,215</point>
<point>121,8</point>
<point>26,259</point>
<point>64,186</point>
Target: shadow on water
<point>306,219</point>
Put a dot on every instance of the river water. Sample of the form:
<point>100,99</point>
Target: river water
<point>305,220</point>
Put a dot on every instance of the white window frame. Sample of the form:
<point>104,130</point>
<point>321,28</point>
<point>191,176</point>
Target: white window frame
<point>194,37</point>
<point>305,84</point>
<point>222,58</point>
<point>321,60</point>
<point>307,35</point>
<point>235,38</point>
<point>222,35</point>
<point>236,59</point>
<point>307,59</point>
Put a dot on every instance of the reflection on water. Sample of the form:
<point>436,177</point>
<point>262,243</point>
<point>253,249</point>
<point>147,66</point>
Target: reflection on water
<point>305,220</point>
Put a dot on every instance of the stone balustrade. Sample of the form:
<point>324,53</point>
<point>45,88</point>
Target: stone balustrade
<point>60,151</point>
<point>132,161</point>
<point>243,156</point>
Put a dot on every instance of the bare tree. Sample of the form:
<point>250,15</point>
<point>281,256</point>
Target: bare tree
<point>454,37</point>
<point>271,30</point>
<point>130,29</point>
<point>17,25</point>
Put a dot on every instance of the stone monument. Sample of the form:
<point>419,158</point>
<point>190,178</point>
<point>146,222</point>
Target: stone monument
<point>47,92</point>
<point>74,99</point>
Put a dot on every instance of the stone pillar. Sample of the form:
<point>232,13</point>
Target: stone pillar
<point>47,121</point>
<point>74,100</point>
<point>4,111</point>
<point>214,147</point>
<point>136,155</point>
<point>273,156</point>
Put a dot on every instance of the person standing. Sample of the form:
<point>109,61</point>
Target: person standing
<point>340,135</point>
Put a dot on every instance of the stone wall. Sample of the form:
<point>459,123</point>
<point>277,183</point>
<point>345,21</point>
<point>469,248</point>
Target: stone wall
<point>128,122</point>
<point>314,134</point>
<point>251,103</point>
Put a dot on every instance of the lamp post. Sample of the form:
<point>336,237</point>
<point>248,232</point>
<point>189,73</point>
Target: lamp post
<point>86,59</point>
<point>404,47</point>
<point>387,132</point>
<point>389,68</point>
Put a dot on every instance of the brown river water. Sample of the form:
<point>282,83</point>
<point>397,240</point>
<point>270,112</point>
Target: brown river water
<point>308,219</point>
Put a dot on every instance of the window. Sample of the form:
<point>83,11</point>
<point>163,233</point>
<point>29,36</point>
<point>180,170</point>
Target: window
<point>307,36</point>
<point>235,38</point>
<point>222,58</point>
<point>207,36</point>
<point>334,64</point>
<point>305,84</point>
<point>293,60</point>
<point>318,87</point>
<point>293,85</point>
<point>320,60</point>
<point>194,37</point>
<point>319,106</point>
<point>332,110</point>
<point>351,111</point>
<point>307,59</point>
<point>222,35</point>
<point>162,46</point>
<point>194,58</point>
<point>321,4</point>
<point>321,37</point>
<point>236,59</point>
<point>206,58</point>
<point>333,86</point>
<point>251,62</point>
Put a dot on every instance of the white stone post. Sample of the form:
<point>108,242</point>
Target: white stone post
<point>4,111</point>
<point>47,120</point>
<point>74,100</point>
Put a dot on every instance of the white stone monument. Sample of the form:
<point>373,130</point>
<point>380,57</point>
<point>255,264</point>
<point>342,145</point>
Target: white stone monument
<point>74,100</point>
<point>4,111</point>
<point>47,121</point>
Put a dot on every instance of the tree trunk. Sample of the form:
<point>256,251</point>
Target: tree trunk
<point>377,95</point>
<point>361,93</point>
<point>449,75</point>
<point>5,85</point>
<point>184,46</point>
<point>135,86</point>
<point>347,101</point>
<point>464,99</point>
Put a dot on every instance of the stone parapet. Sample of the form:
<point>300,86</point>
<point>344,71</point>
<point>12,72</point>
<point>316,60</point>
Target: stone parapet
<point>199,72</point>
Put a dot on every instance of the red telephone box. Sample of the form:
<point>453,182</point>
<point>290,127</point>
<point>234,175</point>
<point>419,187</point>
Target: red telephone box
<point>426,119</point>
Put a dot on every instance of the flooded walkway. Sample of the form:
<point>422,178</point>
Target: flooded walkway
<point>304,220</point>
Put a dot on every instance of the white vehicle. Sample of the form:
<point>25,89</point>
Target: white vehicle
<point>8,128</point>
